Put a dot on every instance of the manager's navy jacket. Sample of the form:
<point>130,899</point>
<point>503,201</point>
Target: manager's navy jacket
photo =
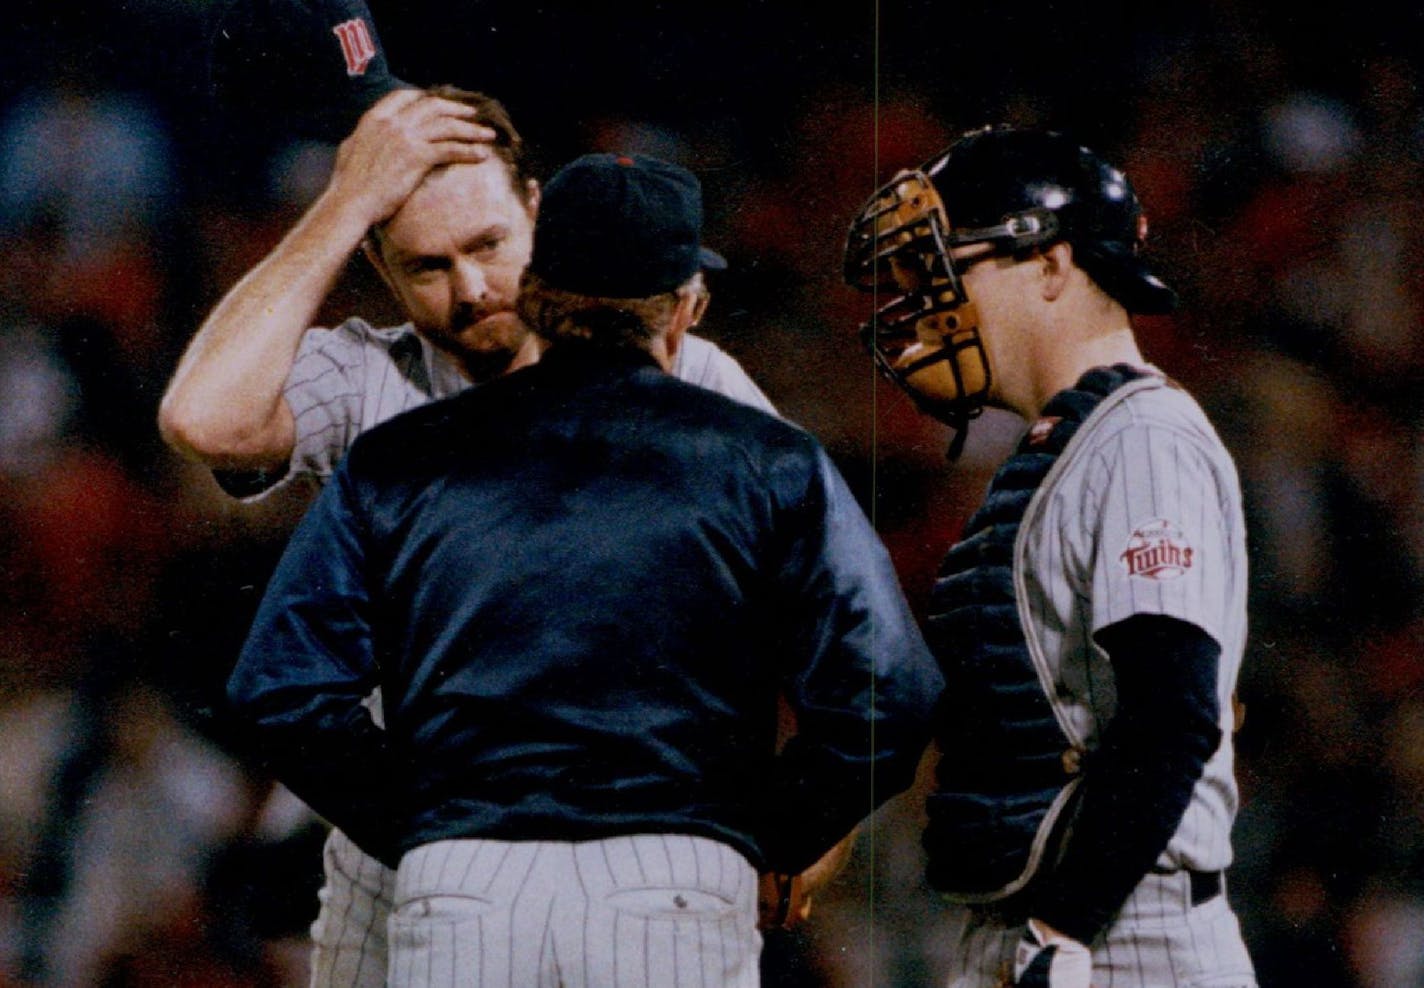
<point>580,589</point>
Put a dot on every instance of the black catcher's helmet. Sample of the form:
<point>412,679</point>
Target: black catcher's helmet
<point>1018,189</point>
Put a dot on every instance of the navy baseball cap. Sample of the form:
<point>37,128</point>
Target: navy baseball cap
<point>309,68</point>
<point>620,226</point>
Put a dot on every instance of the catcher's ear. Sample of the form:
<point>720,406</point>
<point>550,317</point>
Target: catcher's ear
<point>531,196</point>
<point>1057,261</point>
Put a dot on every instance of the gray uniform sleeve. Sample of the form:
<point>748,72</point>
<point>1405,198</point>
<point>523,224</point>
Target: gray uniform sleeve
<point>1162,545</point>
<point>343,381</point>
<point>326,394</point>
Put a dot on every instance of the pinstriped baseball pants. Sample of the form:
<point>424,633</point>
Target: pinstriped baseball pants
<point>349,935</point>
<point>1159,940</point>
<point>642,910</point>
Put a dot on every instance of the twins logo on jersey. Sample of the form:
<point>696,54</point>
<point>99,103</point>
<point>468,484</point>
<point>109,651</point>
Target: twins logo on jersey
<point>1157,550</point>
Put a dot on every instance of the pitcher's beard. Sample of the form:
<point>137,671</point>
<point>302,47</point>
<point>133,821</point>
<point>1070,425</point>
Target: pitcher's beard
<point>482,366</point>
<point>487,347</point>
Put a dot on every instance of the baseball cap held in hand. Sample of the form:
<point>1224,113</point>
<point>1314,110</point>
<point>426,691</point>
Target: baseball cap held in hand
<point>620,226</point>
<point>312,66</point>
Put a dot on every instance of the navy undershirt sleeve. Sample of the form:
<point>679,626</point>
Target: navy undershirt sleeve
<point>1138,784</point>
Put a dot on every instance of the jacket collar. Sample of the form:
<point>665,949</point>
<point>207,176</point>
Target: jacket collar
<point>568,355</point>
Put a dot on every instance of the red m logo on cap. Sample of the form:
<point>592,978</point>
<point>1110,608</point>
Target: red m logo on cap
<point>356,45</point>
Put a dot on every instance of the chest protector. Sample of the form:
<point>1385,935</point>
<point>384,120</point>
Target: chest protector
<point>1006,772</point>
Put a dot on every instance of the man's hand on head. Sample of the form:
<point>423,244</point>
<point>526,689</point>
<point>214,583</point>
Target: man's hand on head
<point>397,142</point>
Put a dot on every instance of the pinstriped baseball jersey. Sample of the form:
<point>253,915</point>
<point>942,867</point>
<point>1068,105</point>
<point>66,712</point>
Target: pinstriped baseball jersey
<point>351,377</point>
<point>1141,515</point>
<point>345,380</point>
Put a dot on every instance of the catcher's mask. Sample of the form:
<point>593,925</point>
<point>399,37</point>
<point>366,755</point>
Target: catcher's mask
<point>1016,190</point>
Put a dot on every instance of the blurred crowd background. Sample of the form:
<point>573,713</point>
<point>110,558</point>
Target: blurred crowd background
<point>1280,151</point>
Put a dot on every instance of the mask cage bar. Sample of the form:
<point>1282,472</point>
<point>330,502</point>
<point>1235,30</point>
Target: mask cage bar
<point>903,231</point>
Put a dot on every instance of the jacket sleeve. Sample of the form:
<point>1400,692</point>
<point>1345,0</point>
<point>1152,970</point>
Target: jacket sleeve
<point>858,675</point>
<point>296,694</point>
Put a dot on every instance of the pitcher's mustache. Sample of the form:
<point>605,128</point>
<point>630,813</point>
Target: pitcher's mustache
<point>466,314</point>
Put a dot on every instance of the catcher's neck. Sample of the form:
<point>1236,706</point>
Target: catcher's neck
<point>1061,354</point>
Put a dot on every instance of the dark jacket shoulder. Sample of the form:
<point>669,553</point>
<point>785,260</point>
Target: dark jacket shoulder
<point>588,397</point>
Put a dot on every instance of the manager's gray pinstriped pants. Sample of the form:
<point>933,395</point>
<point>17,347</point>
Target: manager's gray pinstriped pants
<point>671,911</point>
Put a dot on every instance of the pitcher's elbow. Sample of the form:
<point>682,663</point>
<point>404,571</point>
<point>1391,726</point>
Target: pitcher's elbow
<point>181,429</point>
<point>220,442</point>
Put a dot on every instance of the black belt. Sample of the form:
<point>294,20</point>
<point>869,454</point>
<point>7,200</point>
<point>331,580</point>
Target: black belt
<point>1014,910</point>
<point>1206,885</point>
